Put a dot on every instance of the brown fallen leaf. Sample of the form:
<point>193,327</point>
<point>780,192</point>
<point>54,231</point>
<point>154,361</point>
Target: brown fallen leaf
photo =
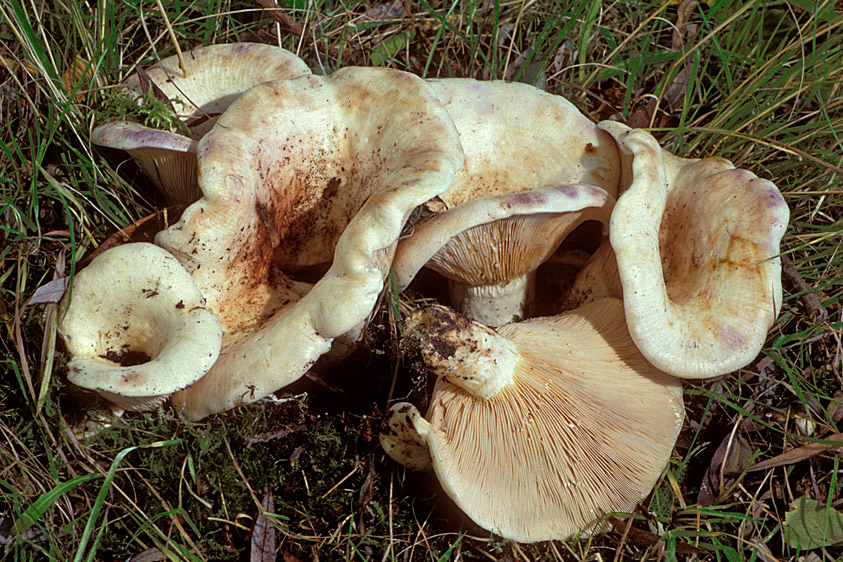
<point>77,76</point>
<point>48,293</point>
<point>286,22</point>
<point>146,84</point>
<point>153,554</point>
<point>142,230</point>
<point>674,95</point>
<point>810,300</point>
<point>731,458</point>
<point>805,452</point>
<point>835,408</point>
<point>263,533</point>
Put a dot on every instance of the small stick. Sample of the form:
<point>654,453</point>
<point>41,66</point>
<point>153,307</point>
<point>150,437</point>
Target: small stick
<point>172,37</point>
<point>278,15</point>
<point>809,298</point>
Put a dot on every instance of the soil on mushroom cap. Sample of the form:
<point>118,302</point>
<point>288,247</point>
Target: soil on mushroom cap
<point>127,357</point>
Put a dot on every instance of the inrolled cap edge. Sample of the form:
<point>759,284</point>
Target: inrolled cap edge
<point>137,298</point>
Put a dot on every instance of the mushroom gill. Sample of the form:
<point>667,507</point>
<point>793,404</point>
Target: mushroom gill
<point>583,429</point>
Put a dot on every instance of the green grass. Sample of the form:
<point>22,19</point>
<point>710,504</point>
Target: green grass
<point>763,87</point>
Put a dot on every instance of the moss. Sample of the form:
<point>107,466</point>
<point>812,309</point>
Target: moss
<point>149,109</point>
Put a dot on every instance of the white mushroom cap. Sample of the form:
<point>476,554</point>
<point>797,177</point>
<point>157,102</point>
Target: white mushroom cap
<point>517,137</point>
<point>403,439</point>
<point>216,76</point>
<point>298,173</point>
<point>168,159</point>
<point>581,425</point>
<point>135,304</point>
<point>696,243</point>
<point>490,247</point>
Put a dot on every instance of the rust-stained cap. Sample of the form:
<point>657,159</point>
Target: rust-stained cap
<point>136,327</point>
<point>540,428</point>
<point>697,244</point>
<point>297,174</point>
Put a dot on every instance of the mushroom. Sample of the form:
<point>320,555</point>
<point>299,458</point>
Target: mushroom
<point>540,428</point>
<point>214,77</point>
<point>136,327</point>
<point>695,245</point>
<point>517,137</point>
<point>311,173</point>
<point>489,248</point>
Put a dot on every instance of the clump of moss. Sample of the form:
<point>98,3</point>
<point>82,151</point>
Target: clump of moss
<point>149,109</point>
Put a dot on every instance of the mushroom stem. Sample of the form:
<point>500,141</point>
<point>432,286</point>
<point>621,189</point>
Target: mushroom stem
<point>597,280</point>
<point>467,354</point>
<point>495,305</point>
<point>406,438</point>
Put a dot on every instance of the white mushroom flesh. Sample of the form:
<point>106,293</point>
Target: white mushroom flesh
<point>697,244</point>
<point>136,327</point>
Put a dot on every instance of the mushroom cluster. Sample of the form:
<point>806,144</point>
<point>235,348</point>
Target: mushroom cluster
<point>540,428</point>
<point>588,271</point>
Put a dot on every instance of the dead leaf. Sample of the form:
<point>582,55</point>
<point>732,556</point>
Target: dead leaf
<point>640,537</point>
<point>811,524</point>
<point>835,408</point>
<point>284,20</point>
<point>76,76</point>
<point>730,459</point>
<point>149,555</point>
<point>146,83</point>
<point>277,434</point>
<point>142,230</point>
<point>263,533</point>
<point>812,302</point>
<point>805,452</point>
<point>387,11</point>
<point>366,490</point>
<point>48,293</point>
<point>674,95</point>
<point>365,496</point>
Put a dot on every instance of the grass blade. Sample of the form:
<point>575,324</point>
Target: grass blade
<point>34,512</point>
<point>95,510</point>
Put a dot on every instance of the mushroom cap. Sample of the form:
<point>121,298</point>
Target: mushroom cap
<point>216,76</point>
<point>584,428</point>
<point>298,173</point>
<point>168,159</point>
<point>135,303</point>
<point>402,441</point>
<point>697,244</point>
<point>489,247</point>
<point>523,227</point>
<point>517,137</point>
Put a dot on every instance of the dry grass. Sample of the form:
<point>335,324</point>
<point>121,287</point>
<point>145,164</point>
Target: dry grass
<point>757,82</point>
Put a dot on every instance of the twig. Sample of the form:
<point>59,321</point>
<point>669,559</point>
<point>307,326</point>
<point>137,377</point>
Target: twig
<point>288,23</point>
<point>809,298</point>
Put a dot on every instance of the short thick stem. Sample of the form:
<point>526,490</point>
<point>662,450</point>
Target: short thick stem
<point>495,305</point>
<point>468,354</point>
<point>599,279</point>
